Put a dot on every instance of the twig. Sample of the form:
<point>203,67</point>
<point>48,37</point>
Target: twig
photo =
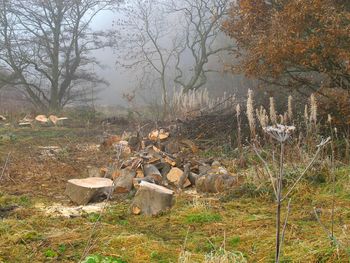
<point>285,225</point>
<point>328,233</point>
<point>303,173</point>
<point>267,170</point>
<point>5,165</point>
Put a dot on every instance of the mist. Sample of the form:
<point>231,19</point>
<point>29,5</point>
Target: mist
<point>123,80</point>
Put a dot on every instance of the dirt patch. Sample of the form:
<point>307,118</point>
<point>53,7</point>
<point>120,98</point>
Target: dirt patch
<point>36,168</point>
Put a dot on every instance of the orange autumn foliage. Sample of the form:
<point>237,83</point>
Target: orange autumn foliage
<point>293,43</point>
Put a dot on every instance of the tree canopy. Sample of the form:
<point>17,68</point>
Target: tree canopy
<point>294,44</point>
<point>47,45</point>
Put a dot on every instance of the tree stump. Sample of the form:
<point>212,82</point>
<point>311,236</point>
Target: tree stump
<point>151,199</point>
<point>83,191</point>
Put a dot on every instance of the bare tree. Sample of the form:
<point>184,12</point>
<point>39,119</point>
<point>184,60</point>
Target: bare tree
<point>46,45</point>
<point>202,28</point>
<point>174,40</point>
<point>146,45</point>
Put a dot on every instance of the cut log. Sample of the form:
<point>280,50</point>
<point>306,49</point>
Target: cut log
<point>164,168</point>
<point>189,144</point>
<point>61,121</point>
<point>134,143</point>
<point>110,140</point>
<point>122,149</point>
<point>203,169</point>
<point>215,183</point>
<point>2,118</point>
<point>53,119</point>
<point>151,199</point>
<point>83,191</point>
<point>184,177</point>
<point>25,124</point>
<point>139,173</point>
<point>152,174</point>
<point>193,178</point>
<point>124,182</point>
<point>156,135</point>
<point>172,147</point>
<point>42,119</point>
<point>174,177</point>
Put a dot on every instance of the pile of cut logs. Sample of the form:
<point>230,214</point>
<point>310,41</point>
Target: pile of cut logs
<point>155,167</point>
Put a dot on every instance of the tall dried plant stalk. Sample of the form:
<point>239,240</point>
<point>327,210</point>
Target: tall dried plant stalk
<point>282,133</point>
<point>262,116</point>
<point>273,114</point>
<point>193,102</point>
<point>290,108</point>
<point>239,134</point>
<point>306,114</point>
<point>313,109</point>
<point>250,114</point>
<point>285,118</point>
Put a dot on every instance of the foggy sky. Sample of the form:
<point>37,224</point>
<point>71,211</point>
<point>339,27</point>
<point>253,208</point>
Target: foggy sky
<point>122,81</point>
<point>119,80</point>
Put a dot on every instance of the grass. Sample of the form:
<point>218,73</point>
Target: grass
<point>203,218</point>
<point>242,220</point>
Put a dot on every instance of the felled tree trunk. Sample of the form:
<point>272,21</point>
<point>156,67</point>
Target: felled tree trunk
<point>151,199</point>
<point>83,191</point>
<point>215,183</point>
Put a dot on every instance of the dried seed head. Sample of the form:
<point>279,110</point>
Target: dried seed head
<point>238,110</point>
<point>313,109</point>
<point>273,115</point>
<point>281,119</point>
<point>250,112</point>
<point>290,108</point>
<point>285,117</point>
<point>329,119</point>
<point>306,114</point>
<point>280,132</point>
<point>262,116</point>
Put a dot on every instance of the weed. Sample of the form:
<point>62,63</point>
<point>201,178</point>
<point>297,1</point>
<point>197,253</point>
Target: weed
<point>234,241</point>
<point>158,257</point>
<point>102,259</point>
<point>222,256</point>
<point>247,190</point>
<point>123,222</point>
<point>49,253</point>
<point>93,217</point>
<point>62,248</point>
<point>31,236</point>
<point>203,218</point>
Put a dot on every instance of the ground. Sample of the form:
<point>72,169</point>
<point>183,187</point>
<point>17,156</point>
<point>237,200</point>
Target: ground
<point>242,222</point>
